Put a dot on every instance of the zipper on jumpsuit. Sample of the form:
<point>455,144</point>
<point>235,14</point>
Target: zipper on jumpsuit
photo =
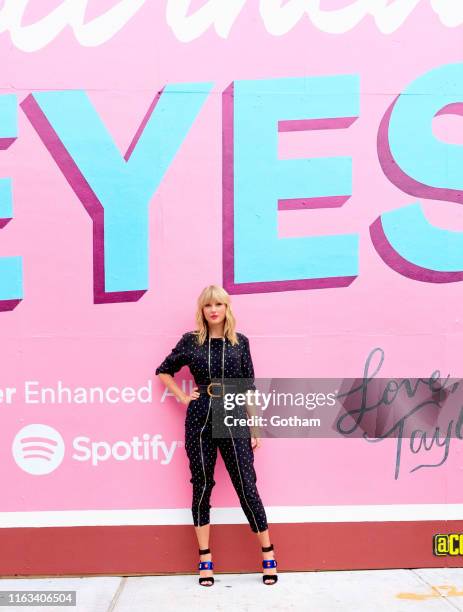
<point>233,442</point>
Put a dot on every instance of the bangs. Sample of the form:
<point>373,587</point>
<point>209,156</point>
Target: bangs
<point>214,293</point>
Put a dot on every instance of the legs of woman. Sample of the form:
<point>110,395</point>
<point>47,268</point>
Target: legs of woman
<point>238,457</point>
<point>201,450</point>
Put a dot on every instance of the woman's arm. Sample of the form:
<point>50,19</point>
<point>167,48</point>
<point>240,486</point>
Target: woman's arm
<point>170,383</point>
<point>174,362</point>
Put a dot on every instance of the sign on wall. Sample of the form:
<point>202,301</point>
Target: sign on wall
<point>305,154</point>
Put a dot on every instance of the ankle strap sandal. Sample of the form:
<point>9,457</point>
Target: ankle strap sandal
<point>205,565</point>
<point>269,578</point>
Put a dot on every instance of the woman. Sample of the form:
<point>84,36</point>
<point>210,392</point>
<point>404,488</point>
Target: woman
<point>216,351</point>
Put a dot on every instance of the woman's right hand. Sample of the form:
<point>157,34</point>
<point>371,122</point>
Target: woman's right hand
<point>186,399</point>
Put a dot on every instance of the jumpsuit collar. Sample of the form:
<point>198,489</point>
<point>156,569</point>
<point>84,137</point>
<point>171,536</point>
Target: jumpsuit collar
<point>214,337</point>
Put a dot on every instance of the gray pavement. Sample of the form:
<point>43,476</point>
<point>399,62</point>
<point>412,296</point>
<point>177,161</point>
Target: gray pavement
<point>416,590</point>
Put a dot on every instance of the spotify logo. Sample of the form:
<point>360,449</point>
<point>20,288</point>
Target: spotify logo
<point>38,449</point>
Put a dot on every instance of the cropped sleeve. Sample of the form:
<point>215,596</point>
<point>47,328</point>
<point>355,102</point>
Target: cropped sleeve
<point>247,366</point>
<point>177,358</point>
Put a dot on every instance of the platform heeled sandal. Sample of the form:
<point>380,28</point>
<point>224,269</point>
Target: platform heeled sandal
<point>205,565</point>
<point>269,578</point>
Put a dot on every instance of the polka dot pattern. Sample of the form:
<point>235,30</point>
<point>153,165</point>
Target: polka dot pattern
<point>205,363</point>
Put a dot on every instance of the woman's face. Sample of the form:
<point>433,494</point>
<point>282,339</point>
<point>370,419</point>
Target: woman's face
<point>214,312</point>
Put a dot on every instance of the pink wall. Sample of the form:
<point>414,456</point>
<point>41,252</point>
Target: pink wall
<point>59,329</point>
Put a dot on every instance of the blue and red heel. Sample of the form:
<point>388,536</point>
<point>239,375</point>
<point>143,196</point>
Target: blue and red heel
<point>266,563</point>
<point>205,565</point>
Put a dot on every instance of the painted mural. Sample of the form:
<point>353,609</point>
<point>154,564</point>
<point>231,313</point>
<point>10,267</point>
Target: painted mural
<point>306,155</point>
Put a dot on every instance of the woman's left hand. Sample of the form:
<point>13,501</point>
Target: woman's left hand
<point>255,443</point>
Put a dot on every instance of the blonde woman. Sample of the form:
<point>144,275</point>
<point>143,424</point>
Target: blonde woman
<point>216,351</point>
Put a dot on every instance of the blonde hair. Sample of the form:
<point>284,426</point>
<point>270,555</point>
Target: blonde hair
<point>215,293</point>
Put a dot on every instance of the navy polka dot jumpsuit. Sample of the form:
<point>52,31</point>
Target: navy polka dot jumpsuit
<point>217,358</point>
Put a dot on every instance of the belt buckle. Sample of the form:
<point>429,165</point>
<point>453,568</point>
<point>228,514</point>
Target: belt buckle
<point>212,385</point>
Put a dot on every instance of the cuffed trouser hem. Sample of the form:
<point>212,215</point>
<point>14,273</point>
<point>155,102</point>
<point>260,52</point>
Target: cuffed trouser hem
<point>252,527</point>
<point>201,523</point>
<point>260,530</point>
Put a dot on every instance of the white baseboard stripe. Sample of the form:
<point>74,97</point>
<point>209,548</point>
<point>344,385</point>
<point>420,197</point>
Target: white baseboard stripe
<point>232,516</point>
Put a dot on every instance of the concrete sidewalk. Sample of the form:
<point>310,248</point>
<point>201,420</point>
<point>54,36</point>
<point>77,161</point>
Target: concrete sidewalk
<point>401,590</point>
